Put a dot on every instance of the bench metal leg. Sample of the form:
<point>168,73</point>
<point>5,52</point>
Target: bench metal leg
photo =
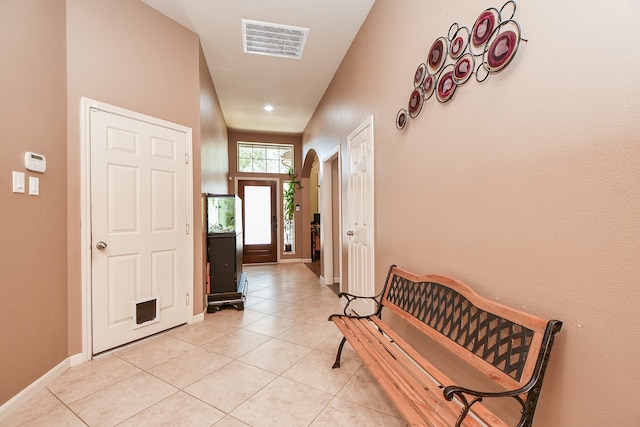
<point>337,364</point>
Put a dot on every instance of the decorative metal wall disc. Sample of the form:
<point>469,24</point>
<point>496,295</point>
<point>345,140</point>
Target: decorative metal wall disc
<point>401,118</point>
<point>446,84</point>
<point>415,103</point>
<point>502,46</point>
<point>437,55</point>
<point>421,72</point>
<point>487,48</point>
<point>463,69</point>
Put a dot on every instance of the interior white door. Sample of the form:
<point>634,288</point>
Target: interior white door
<point>361,247</point>
<point>139,229</point>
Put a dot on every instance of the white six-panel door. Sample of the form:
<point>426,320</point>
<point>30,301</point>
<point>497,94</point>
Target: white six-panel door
<point>139,229</point>
<point>360,204</point>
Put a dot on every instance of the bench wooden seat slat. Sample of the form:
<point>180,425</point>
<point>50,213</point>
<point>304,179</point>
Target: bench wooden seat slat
<point>422,395</point>
<point>413,400</point>
<point>509,347</point>
<point>481,412</point>
<point>387,382</point>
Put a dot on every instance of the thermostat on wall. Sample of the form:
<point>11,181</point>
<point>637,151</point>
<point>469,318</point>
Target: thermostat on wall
<point>35,162</point>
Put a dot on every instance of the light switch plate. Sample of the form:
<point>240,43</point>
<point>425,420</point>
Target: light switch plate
<point>18,182</point>
<point>34,186</point>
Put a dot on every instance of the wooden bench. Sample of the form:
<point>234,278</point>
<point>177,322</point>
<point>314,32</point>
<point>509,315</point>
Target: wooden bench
<point>508,347</point>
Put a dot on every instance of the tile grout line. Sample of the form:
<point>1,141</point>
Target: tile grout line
<point>310,292</point>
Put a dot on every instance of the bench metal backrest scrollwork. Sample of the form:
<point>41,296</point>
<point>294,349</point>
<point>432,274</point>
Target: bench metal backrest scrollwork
<point>510,346</point>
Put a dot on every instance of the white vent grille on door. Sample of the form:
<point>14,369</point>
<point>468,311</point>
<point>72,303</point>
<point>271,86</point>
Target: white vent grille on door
<point>265,38</point>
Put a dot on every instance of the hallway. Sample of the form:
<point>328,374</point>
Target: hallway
<point>269,365</point>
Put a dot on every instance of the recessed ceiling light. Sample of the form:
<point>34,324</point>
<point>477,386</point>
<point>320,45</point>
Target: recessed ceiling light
<point>268,108</point>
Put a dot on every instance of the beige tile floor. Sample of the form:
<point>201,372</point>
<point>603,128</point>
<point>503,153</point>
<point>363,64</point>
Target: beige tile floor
<point>269,365</point>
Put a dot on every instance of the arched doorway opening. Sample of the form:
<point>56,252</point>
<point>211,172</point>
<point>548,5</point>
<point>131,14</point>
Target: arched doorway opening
<point>311,215</point>
<point>321,197</point>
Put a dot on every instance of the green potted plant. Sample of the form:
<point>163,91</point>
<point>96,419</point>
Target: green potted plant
<point>289,208</point>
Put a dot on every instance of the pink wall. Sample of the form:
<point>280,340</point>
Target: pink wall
<point>53,53</point>
<point>214,137</point>
<point>33,284</point>
<point>525,186</point>
<point>214,165</point>
<point>127,54</point>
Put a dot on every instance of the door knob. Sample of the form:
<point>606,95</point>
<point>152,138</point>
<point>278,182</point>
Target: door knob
<point>350,233</point>
<point>101,245</point>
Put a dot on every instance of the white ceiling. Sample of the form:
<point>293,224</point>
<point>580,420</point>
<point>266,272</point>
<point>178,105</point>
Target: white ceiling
<point>245,83</point>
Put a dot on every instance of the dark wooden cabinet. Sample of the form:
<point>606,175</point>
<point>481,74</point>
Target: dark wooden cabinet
<point>228,284</point>
<point>225,262</point>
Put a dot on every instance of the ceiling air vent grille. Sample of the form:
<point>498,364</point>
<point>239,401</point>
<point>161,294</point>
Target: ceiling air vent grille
<point>265,38</point>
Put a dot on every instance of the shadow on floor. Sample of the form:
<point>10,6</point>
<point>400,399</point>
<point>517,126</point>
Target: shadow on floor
<point>315,267</point>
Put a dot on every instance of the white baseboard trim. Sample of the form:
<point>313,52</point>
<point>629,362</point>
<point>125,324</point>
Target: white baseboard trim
<point>34,388</point>
<point>307,260</point>
<point>198,317</point>
<point>290,260</point>
<point>77,359</point>
<point>336,280</point>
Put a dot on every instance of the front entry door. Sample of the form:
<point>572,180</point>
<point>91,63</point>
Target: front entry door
<point>139,229</point>
<point>259,221</point>
<point>361,219</point>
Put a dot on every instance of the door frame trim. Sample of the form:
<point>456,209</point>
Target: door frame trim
<point>367,123</point>
<point>86,105</point>
<point>328,246</point>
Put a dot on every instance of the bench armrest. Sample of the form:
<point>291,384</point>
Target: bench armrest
<point>531,388</point>
<point>470,397</point>
<point>351,298</point>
